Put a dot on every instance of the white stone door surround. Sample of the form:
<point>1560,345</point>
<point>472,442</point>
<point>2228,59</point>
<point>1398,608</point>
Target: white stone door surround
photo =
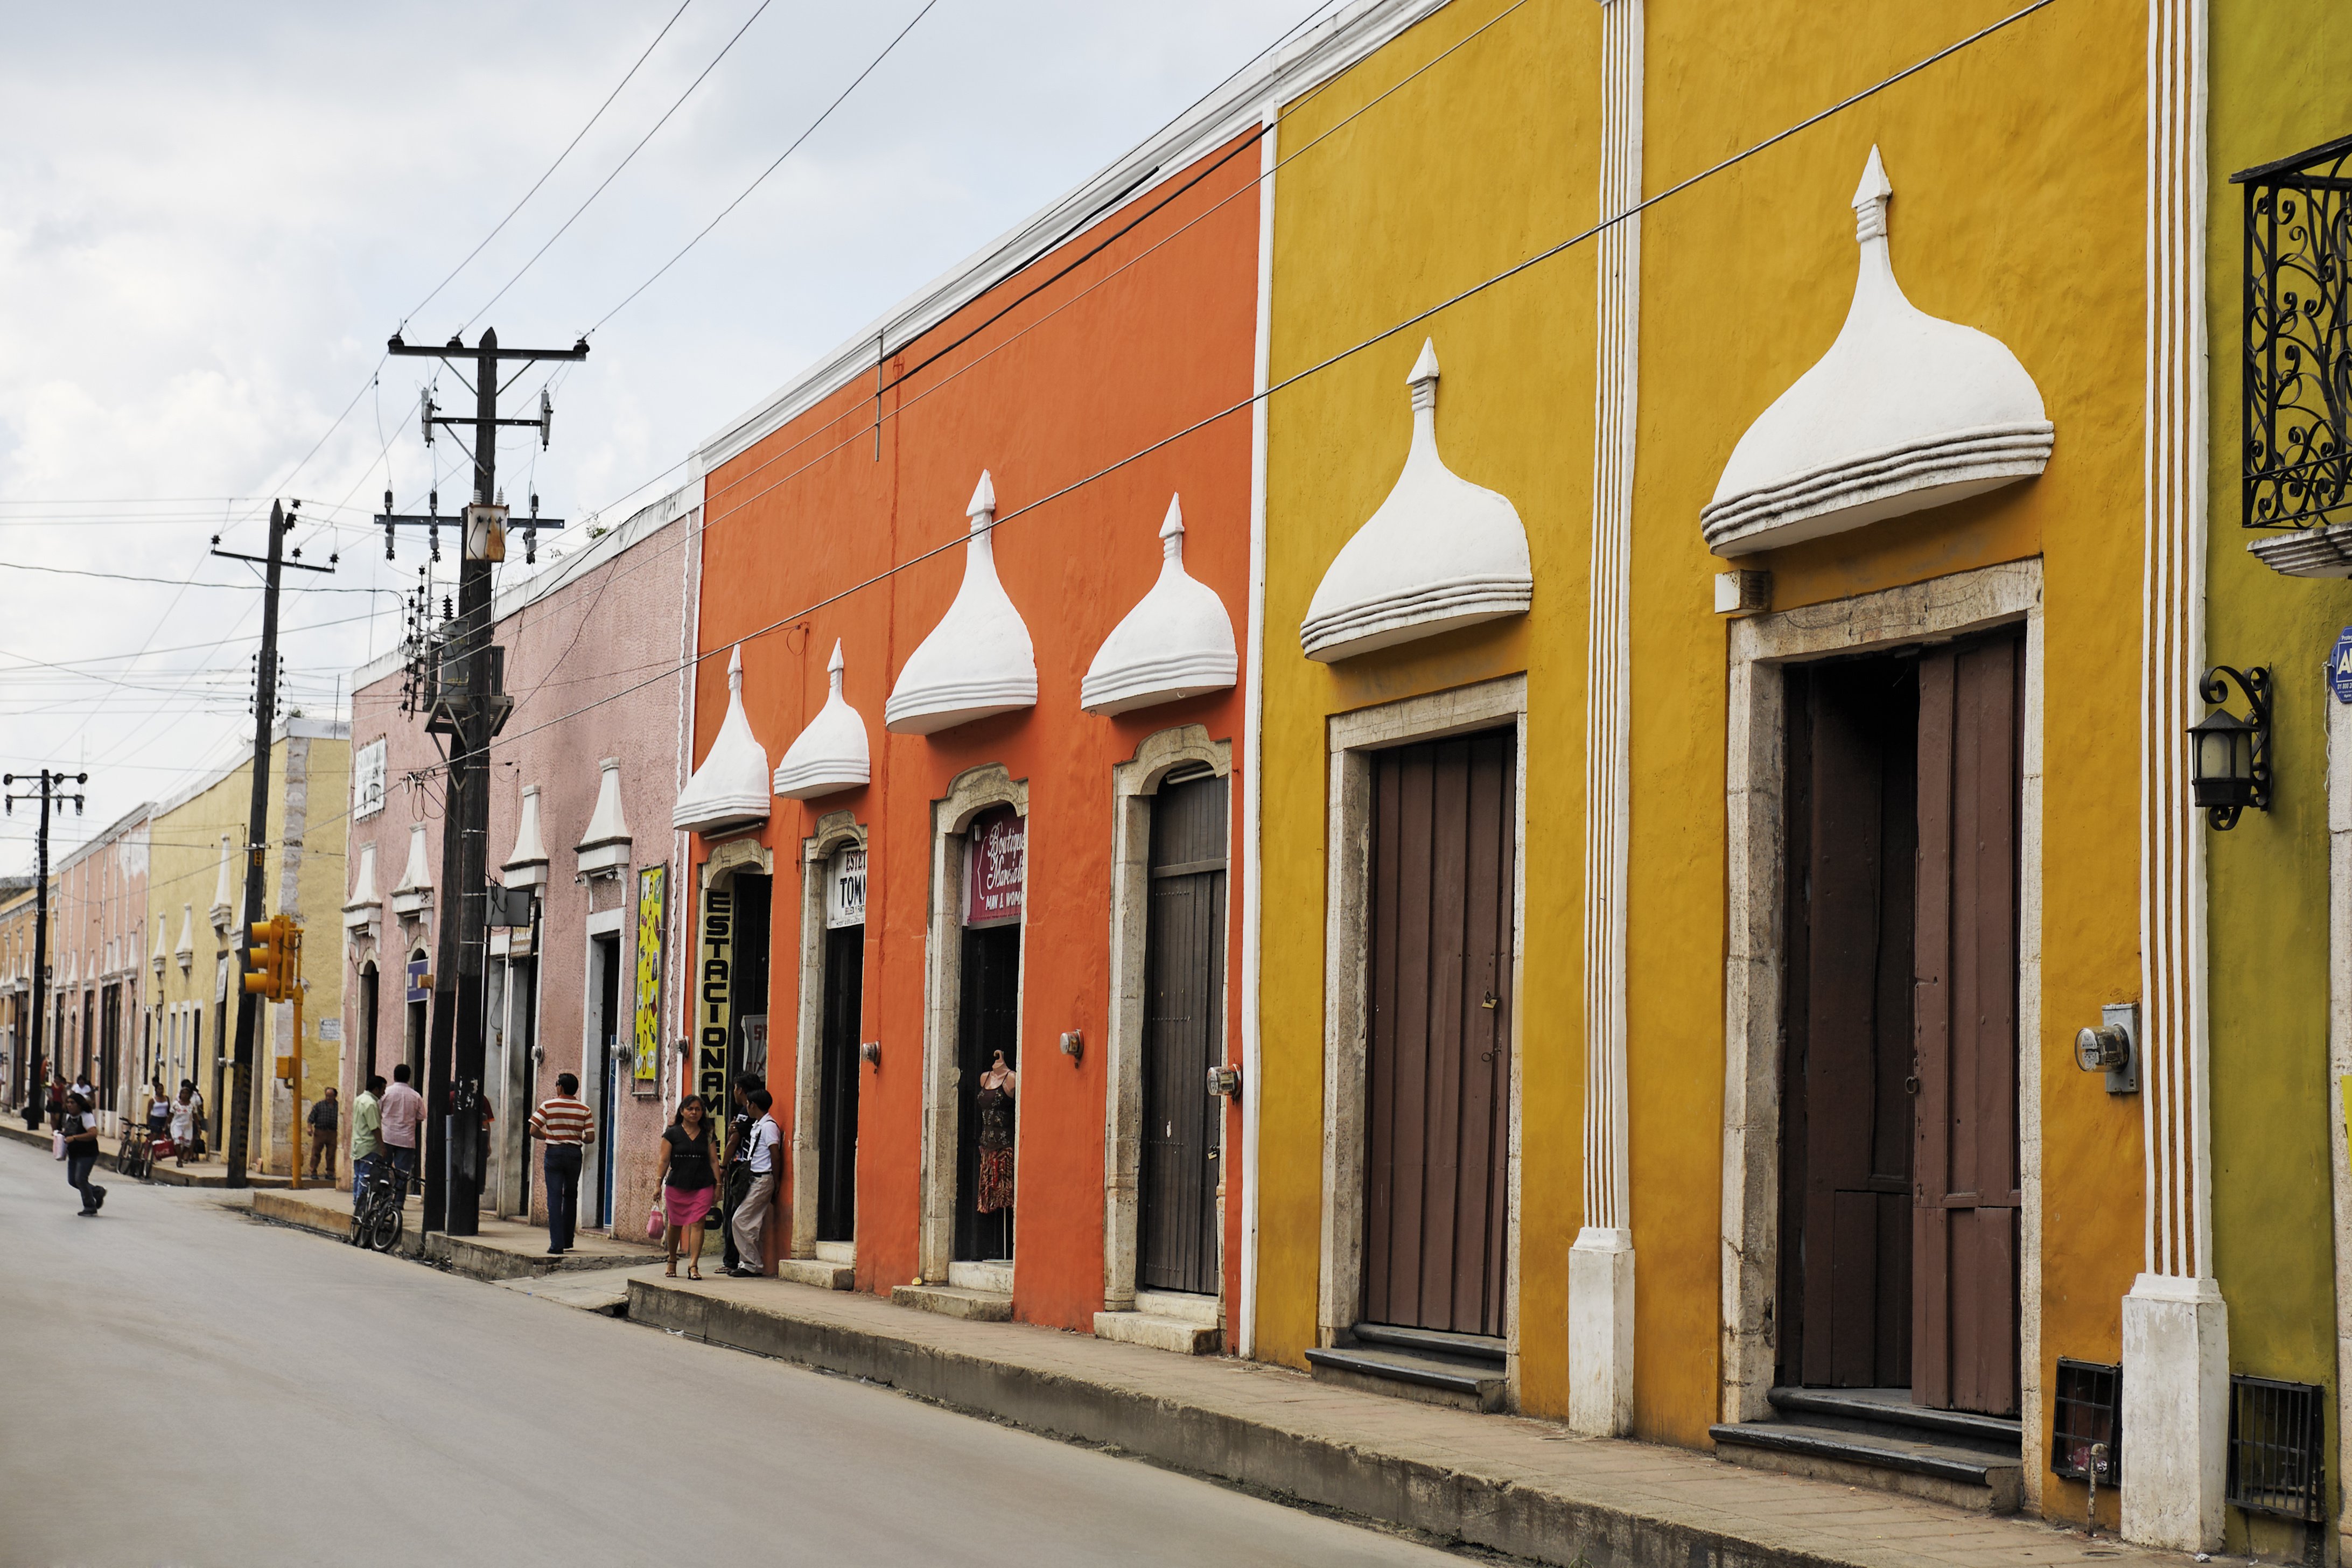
<point>971,792</point>
<point>1349,739</point>
<point>1133,784</point>
<point>834,830</point>
<point>1937,610</point>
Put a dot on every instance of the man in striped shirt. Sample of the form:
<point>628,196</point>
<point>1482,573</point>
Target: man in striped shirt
<point>563,1123</point>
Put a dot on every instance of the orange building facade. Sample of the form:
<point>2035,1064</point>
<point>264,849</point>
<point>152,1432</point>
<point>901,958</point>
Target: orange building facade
<point>947,858</point>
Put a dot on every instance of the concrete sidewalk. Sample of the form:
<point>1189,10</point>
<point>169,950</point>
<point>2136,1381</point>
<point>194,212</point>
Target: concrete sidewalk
<point>1523,1487</point>
<point>210,1171</point>
<point>504,1248</point>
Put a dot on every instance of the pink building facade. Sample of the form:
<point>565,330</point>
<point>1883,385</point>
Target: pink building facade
<point>583,778</point>
<point>97,997</point>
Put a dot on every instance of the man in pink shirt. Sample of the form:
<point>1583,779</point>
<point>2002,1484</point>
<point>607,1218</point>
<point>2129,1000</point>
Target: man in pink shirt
<point>402,1110</point>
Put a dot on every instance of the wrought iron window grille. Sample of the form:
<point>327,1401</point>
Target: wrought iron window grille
<point>2298,338</point>
<point>2088,1409</point>
<point>2277,1455</point>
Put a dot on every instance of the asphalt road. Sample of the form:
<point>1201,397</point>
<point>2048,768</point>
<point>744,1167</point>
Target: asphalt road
<point>180,1384</point>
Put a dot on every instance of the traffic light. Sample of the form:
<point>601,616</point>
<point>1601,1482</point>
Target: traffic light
<point>266,971</point>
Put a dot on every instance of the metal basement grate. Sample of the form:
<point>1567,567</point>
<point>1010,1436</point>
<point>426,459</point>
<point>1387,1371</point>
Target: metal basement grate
<point>2277,1461</point>
<point>2088,1409</point>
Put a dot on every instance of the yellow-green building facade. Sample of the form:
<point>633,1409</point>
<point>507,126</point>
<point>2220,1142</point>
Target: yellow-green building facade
<point>1885,481</point>
<point>195,898</point>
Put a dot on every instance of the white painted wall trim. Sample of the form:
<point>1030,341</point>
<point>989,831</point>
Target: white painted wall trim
<point>1756,941</point>
<point>1601,1279</point>
<point>2175,1324</point>
<point>1254,747</point>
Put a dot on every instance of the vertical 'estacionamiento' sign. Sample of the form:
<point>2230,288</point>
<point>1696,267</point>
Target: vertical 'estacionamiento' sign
<point>713,997</point>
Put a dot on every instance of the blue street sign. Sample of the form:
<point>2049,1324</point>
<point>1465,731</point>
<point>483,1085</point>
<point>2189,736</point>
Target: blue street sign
<point>418,990</point>
<point>2339,665</point>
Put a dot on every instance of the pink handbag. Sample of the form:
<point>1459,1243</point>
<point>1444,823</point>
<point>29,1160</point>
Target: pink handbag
<point>58,1139</point>
<point>656,1223</point>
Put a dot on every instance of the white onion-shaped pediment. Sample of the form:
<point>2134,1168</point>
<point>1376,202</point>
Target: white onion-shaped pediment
<point>978,660</point>
<point>1440,552</point>
<point>830,755</point>
<point>1177,642</point>
<point>1904,411</point>
<point>730,788</point>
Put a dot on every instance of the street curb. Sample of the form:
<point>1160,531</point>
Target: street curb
<point>1525,1520</point>
<point>162,1176</point>
<point>459,1255</point>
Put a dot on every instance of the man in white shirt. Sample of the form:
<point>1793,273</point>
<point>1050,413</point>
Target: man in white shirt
<point>750,1222</point>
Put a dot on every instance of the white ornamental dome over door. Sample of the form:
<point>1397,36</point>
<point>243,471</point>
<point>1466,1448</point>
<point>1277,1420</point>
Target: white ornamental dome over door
<point>1177,642</point>
<point>978,660</point>
<point>1440,552</point>
<point>1903,413</point>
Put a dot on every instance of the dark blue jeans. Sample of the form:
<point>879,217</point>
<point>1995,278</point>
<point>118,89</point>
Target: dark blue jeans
<point>78,1168</point>
<point>563,1194</point>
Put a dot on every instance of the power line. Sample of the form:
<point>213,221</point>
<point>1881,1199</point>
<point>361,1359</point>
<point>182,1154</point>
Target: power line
<point>535,184</point>
<point>615,175</point>
<point>739,201</point>
<point>1407,324</point>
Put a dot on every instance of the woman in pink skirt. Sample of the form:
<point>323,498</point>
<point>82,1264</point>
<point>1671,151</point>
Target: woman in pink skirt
<point>689,1183</point>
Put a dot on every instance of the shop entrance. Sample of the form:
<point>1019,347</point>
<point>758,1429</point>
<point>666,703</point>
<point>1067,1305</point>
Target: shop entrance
<point>1183,1035</point>
<point>1900,1172</point>
<point>1437,1064</point>
<point>836,1102</point>
<point>988,1043</point>
<point>603,1072</point>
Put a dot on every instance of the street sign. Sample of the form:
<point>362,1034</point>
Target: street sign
<point>2339,665</point>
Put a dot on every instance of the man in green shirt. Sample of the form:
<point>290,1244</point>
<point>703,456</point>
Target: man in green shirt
<point>367,1145</point>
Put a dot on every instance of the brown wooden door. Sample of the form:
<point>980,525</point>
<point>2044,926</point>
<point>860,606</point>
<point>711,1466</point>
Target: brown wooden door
<point>1184,1034</point>
<point>1964,1004</point>
<point>1846,1111</point>
<point>1438,1067</point>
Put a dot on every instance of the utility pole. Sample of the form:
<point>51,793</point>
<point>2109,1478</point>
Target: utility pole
<point>256,834</point>
<point>470,707</point>
<point>49,787</point>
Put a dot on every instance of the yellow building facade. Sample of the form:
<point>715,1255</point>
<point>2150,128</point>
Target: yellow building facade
<point>1723,741</point>
<point>195,898</point>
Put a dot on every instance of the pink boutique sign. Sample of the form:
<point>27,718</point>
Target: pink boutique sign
<point>995,869</point>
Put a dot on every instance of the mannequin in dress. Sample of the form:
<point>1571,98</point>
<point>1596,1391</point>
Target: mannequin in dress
<point>1000,1087</point>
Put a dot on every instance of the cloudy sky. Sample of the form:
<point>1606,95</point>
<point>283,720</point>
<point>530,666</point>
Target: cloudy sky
<point>210,217</point>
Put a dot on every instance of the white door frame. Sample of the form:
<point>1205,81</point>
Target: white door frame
<point>834,830</point>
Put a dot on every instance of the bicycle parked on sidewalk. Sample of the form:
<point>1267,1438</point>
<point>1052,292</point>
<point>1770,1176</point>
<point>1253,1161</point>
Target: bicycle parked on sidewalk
<point>135,1156</point>
<point>380,1213</point>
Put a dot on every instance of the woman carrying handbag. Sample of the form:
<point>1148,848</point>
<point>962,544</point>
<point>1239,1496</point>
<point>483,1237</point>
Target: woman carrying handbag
<point>689,1183</point>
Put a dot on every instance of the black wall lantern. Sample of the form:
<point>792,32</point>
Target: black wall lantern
<point>2230,757</point>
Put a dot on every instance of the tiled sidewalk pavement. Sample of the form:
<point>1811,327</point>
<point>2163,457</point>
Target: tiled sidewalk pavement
<point>1519,1486</point>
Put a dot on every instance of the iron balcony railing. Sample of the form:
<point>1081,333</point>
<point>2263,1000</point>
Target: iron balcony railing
<point>2298,349</point>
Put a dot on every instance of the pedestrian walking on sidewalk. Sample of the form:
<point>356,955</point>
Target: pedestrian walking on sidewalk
<point>79,1127</point>
<point>184,1121</point>
<point>159,1111</point>
<point>564,1124</point>
<point>324,1116</point>
<point>738,1171</point>
<point>751,1214</point>
<point>56,1102</point>
<point>81,1086</point>
<point>689,1183</point>
<point>367,1142</point>
<point>402,1111</point>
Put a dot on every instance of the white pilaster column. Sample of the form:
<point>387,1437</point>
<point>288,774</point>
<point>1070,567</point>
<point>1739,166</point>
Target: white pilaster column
<point>2174,1325</point>
<point>1600,1263</point>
